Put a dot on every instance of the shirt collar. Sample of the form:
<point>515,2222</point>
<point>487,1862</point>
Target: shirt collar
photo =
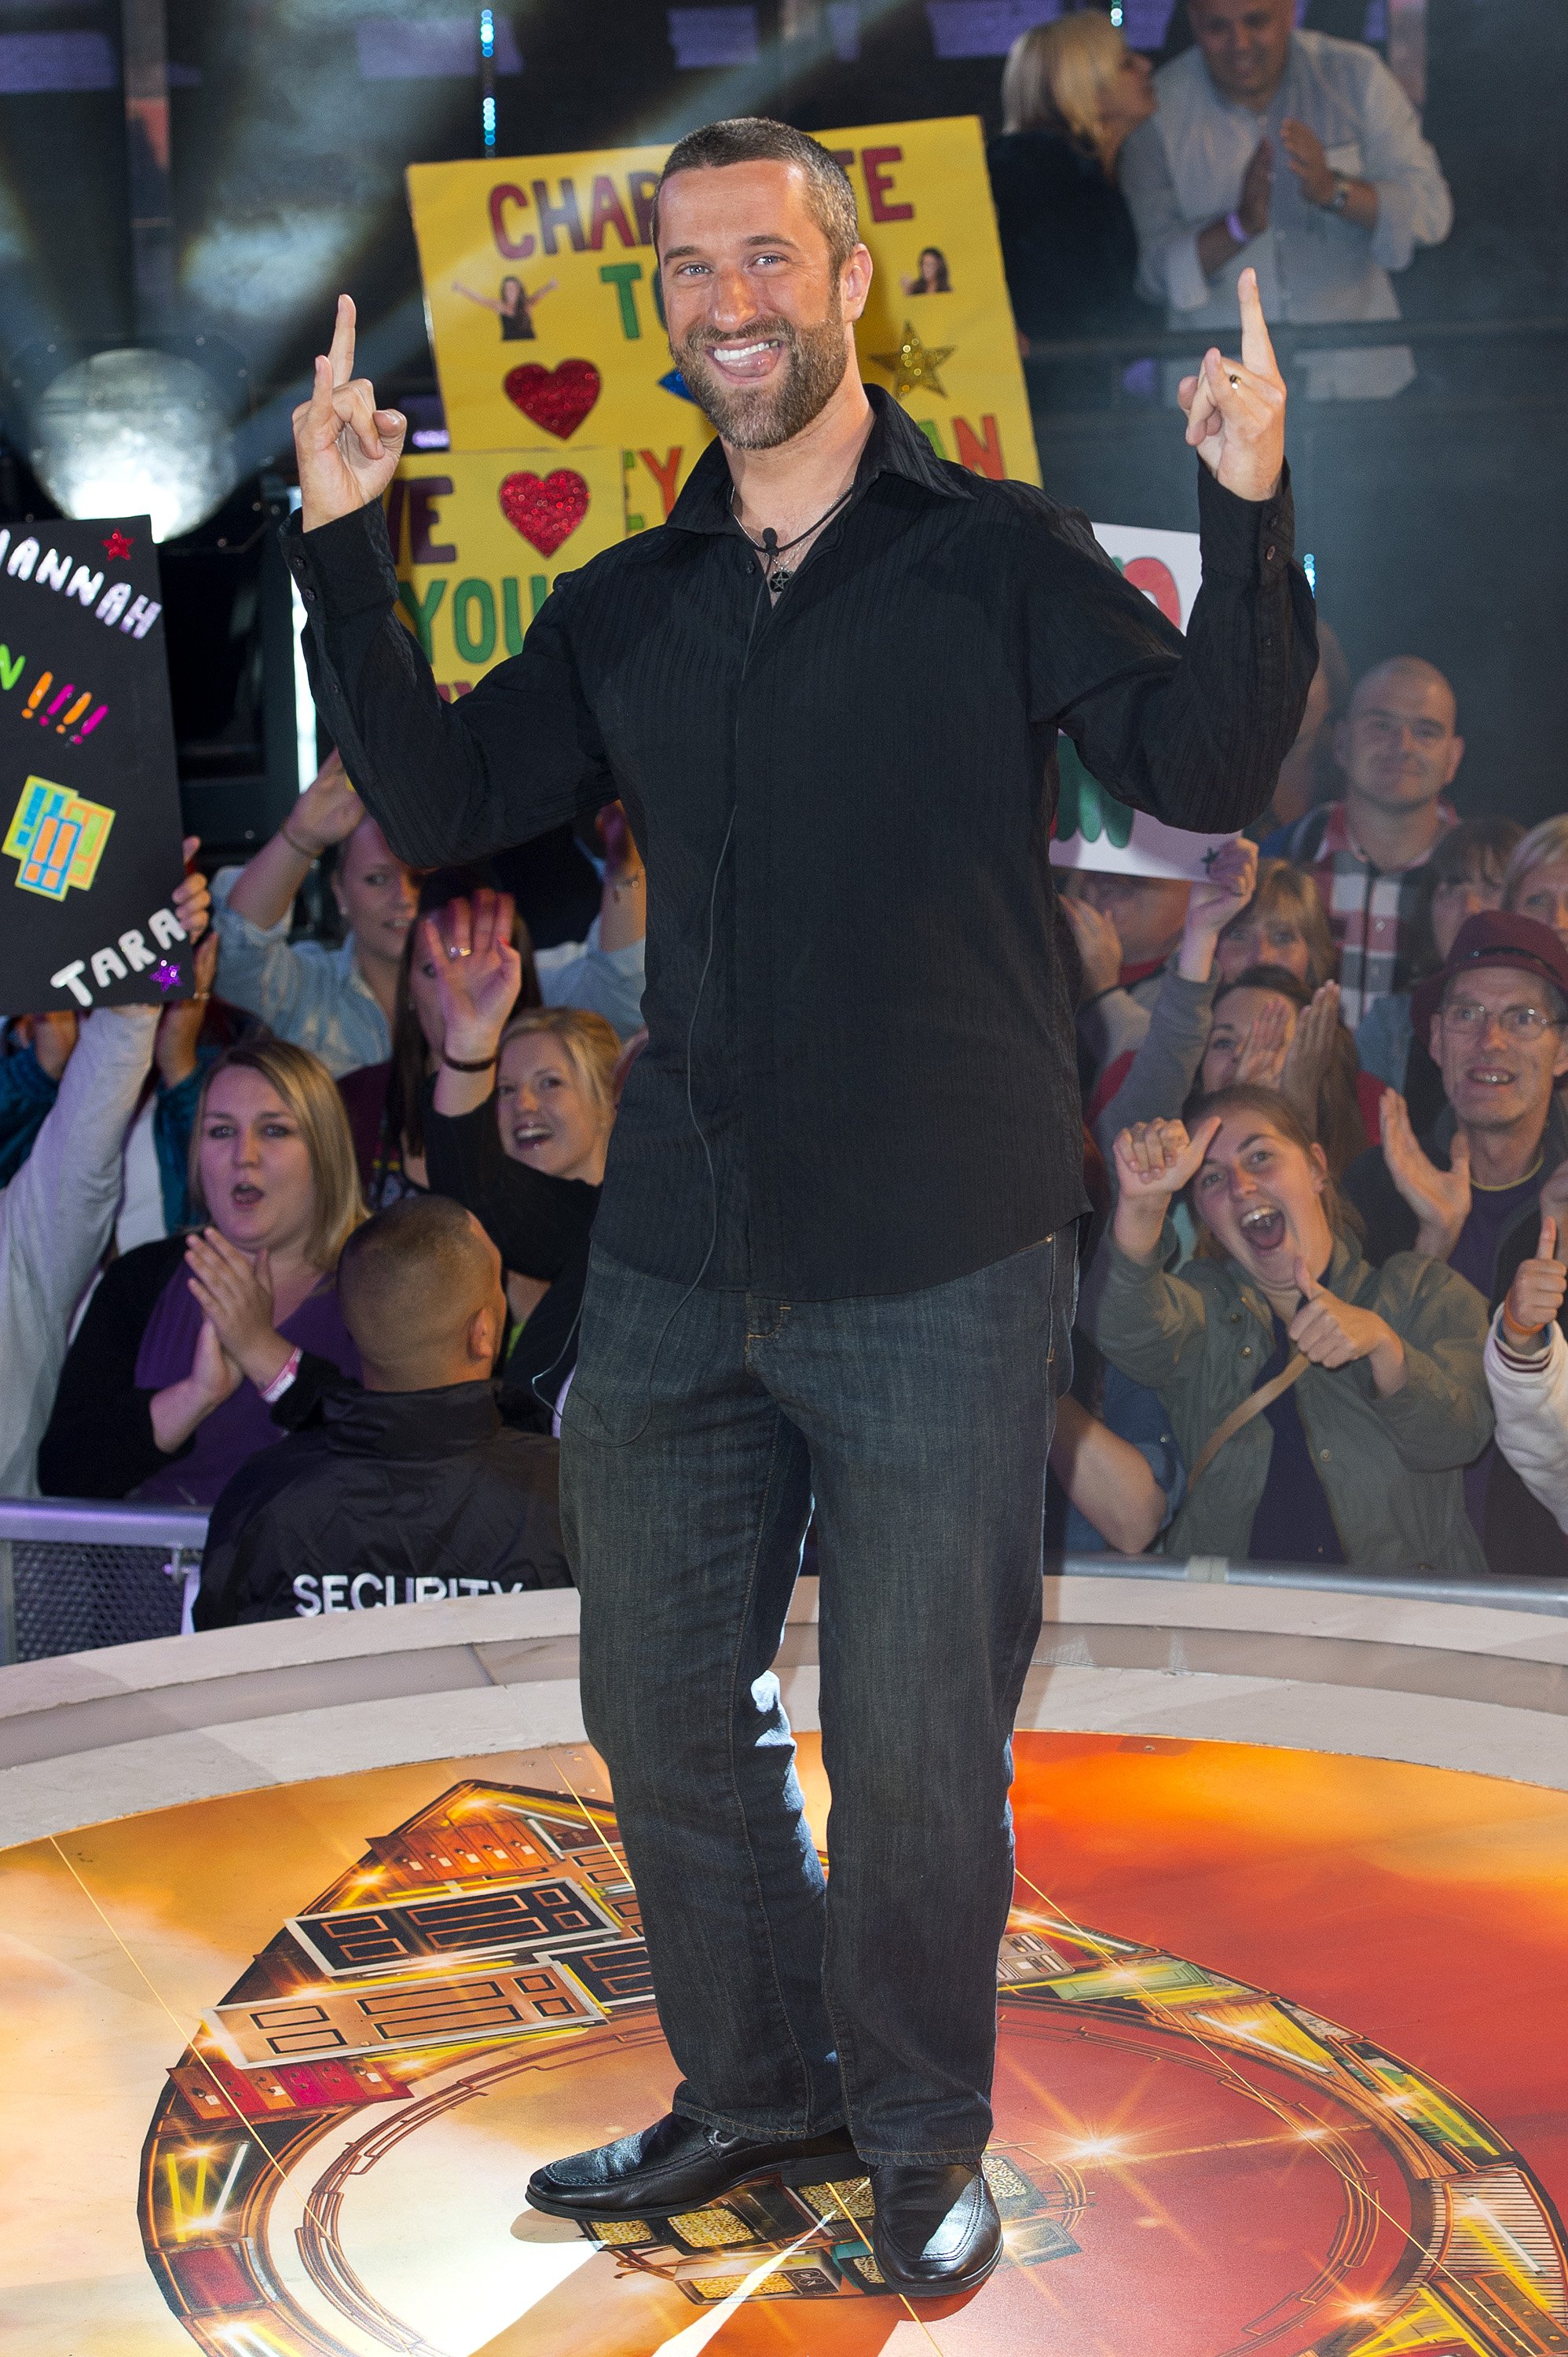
<point>894,446</point>
<point>1338,839</point>
<point>441,1423</point>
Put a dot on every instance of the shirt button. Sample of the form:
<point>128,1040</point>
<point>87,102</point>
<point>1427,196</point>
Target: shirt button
<point>1246,1349</point>
<point>1322,1455</point>
<point>309,596</point>
<point>1269,554</point>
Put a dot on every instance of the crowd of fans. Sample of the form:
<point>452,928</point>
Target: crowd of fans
<point>1265,145</point>
<point>308,1250</point>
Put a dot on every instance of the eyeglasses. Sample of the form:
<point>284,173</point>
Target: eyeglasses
<point>1468,1015</point>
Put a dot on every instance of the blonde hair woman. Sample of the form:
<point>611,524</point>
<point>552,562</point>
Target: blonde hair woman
<point>1078,79</point>
<point>189,1342</point>
<point>1072,92</point>
<point>1535,883</point>
<point>517,1132</point>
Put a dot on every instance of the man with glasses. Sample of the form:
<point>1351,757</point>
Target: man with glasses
<point>1474,1191</point>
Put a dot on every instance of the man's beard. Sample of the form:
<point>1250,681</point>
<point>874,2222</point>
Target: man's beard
<point>759,417</point>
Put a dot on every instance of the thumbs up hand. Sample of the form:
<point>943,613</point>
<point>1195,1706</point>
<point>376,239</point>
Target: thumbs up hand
<point>1535,1296</point>
<point>1334,1333</point>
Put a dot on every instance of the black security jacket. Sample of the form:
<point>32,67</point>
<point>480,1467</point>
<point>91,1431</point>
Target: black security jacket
<point>393,1498</point>
<point>844,802</point>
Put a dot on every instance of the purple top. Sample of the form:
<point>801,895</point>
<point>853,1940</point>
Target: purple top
<point>224,1441</point>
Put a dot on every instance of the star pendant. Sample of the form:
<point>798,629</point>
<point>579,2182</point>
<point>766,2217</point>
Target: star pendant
<point>914,366</point>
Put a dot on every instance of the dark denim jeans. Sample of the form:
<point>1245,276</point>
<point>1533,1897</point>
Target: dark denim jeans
<point>695,1438</point>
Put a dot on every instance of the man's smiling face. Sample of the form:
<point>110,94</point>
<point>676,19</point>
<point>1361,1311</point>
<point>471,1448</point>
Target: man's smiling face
<point>761,322</point>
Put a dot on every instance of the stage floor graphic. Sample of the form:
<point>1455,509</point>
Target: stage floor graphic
<point>1282,2068</point>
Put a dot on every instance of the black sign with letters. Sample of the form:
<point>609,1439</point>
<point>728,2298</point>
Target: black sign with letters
<point>89,826</point>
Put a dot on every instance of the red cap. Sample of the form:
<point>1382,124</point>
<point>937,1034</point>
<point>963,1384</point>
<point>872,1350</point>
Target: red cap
<point>1496,937</point>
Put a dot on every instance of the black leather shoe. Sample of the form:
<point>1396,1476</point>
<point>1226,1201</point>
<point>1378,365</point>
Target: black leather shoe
<point>936,2230</point>
<point>677,2165</point>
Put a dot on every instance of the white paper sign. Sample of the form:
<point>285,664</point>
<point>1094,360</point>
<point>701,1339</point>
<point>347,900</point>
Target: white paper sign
<point>1095,830</point>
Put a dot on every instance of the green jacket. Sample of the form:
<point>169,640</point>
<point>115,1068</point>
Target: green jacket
<point>1390,1468</point>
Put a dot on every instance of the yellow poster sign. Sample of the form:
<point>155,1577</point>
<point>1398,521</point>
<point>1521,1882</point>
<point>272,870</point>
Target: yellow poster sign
<point>478,537</point>
<point>543,304</point>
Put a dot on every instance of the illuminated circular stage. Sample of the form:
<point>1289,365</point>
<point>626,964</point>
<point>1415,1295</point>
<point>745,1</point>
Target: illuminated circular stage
<point>1282,2061</point>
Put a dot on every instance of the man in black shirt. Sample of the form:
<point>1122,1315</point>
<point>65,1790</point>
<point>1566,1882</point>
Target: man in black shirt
<point>834,1257</point>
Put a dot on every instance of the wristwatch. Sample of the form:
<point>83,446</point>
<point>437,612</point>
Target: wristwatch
<point>1341,197</point>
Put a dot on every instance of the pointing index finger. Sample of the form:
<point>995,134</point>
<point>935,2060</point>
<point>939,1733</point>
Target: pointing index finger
<point>342,352</point>
<point>1257,350</point>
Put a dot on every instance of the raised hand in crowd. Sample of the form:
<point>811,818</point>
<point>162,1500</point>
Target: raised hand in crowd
<point>327,812</point>
<point>1536,1294</point>
<point>234,1290</point>
<point>1236,409</point>
<point>623,903</point>
<point>179,1026</point>
<point>1553,1196</point>
<point>179,1407</point>
<point>1440,1199</point>
<point>1304,1066</point>
<point>1320,183</point>
<point>478,973</point>
<point>1261,1055</point>
<point>1099,945</point>
<point>347,449</point>
<point>55,1032</point>
<point>1215,903</point>
<point>192,896</point>
<point>1334,1333</point>
<point>1217,243</point>
<point>1154,1159</point>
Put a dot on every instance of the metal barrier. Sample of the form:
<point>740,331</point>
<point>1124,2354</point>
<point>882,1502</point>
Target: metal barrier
<point>1520,1594</point>
<point>76,1574</point>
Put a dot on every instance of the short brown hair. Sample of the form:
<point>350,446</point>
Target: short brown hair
<point>1284,890</point>
<point>757,139</point>
<point>310,1093</point>
<point>1245,1096</point>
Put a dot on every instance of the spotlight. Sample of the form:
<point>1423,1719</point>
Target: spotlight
<point>134,432</point>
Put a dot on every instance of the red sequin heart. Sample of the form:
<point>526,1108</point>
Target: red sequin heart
<point>557,399</point>
<point>546,509</point>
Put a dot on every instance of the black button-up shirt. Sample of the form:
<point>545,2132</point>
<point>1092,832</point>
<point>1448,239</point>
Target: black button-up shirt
<point>860,1071</point>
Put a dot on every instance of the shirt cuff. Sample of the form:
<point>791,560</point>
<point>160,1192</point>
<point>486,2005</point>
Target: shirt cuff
<point>1517,1361</point>
<point>1187,288</point>
<point>230,926</point>
<point>343,568</point>
<point>1393,232</point>
<point>1251,540</point>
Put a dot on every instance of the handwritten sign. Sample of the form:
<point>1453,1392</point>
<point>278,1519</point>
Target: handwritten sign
<point>546,314</point>
<point>478,538</point>
<point>89,827</point>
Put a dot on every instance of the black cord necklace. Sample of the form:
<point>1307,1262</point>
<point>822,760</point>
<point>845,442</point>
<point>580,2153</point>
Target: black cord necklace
<point>770,548</point>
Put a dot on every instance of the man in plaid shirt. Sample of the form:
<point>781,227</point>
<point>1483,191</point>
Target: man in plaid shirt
<point>1399,750</point>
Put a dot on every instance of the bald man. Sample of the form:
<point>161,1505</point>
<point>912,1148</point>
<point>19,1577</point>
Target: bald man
<point>1399,748</point>
<point>411,1489</point>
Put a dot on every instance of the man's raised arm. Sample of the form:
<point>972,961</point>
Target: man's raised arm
<point>1193,730</point>
<point>448,782</point>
